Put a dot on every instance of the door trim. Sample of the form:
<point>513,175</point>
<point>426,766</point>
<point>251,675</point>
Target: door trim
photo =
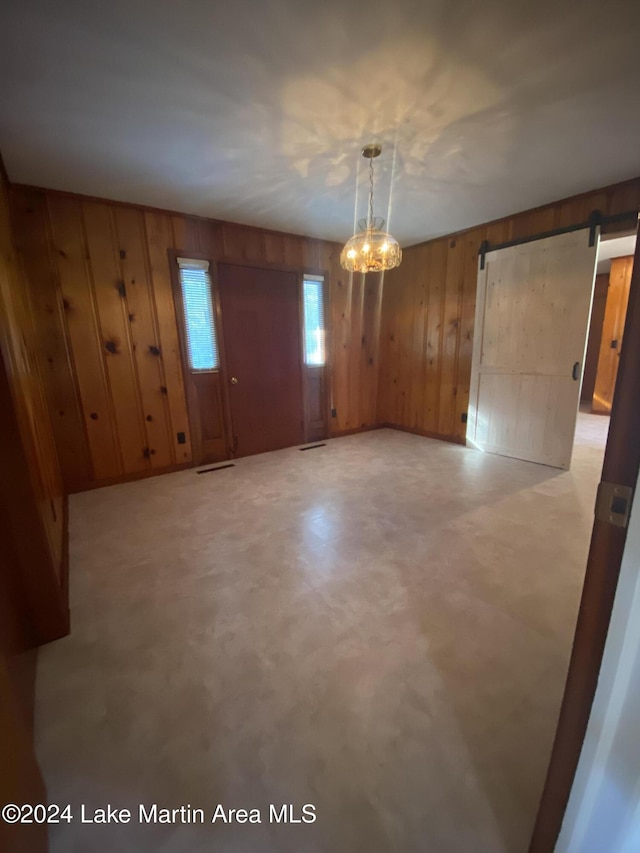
<point>300,272</point>
<point>324,371</point>
<point>215,262</point>
<point>194,426</point>
<point>621,465</point>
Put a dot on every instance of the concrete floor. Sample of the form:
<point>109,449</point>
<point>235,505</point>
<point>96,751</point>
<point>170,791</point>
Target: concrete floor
<point>380,627</point>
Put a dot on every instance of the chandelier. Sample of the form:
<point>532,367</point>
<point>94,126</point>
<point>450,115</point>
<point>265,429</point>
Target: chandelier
<point>372,249</point>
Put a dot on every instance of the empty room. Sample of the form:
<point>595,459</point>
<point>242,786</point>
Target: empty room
<point>319,369</point>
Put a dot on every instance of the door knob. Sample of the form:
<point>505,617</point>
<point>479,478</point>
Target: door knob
<point>234,381</point>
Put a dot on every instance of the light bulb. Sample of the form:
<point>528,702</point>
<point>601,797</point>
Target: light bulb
<point>365,248</point>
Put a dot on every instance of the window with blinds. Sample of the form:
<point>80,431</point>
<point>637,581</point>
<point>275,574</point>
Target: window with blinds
<point>200,327</point>
<point>314,328</point>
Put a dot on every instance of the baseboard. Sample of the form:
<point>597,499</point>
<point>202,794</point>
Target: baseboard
<point>184,466</point>
<point>341,433</point>
<point>452,439</point>
<point>131,478</point>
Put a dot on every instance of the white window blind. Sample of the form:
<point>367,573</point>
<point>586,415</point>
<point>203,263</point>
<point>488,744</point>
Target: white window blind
<point>200,327</point>
<point>314,328</point>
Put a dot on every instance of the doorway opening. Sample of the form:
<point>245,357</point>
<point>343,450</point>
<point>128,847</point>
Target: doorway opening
<point>549,329</point>
<point>254,355</point>
<point>606,332</point>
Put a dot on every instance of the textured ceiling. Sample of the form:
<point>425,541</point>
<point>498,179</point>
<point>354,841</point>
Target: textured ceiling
<point>255,110</point>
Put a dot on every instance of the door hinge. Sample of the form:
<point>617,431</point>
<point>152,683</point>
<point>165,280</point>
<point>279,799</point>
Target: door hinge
<point>613,503</point>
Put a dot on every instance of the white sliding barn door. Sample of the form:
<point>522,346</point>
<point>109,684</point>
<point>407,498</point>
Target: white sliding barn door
<point>532,317</point>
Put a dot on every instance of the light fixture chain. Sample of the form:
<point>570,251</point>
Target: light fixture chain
<point>371,192</point>
<point>371,249</point>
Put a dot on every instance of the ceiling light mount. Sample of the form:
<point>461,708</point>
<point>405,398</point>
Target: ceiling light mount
<point>372,249</point>
<point>370,152</point>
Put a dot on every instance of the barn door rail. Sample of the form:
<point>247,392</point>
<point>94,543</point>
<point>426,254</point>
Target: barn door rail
<point>595,220</point>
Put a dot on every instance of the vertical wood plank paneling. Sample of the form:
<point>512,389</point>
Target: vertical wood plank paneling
<point>312,254</point>
<point>451,316</point>
<point>341,335</point>
<point>388,373</point>
<point>115,341</point>
<point>293,254</point>
<point>33,601</point>
<point>355,350</point>
<point>144,335</point>
<point>399,353</point>
<point>84,334</point>
<point>33,240</point>
<point>471,243</point>
<point>19,368</point>
<point>370,351</point>
<point>242,243</point>
<point>186,234</point>
<point>404,342</point>
<point>159,235</point>
<point>440,375</point>
<point>433,351</point>
<point>274,248</point>
<point>421,262</point>
<point>209,239</point>
<point>145,236</point>
<point>623,197</point>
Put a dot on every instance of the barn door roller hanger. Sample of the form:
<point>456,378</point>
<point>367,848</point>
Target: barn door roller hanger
<point>596,219</point>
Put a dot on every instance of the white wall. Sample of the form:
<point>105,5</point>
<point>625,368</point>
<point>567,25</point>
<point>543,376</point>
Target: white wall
<point>604,808</point>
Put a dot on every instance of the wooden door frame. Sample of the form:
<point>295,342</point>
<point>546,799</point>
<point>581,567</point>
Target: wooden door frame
<point>621,465</point>
<point>173,255</point>
<point>301,272</point>
<point>324,369</point>
<point>215,262</point>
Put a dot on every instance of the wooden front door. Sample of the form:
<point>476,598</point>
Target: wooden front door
<point>532,315</point>
<point>261,318</point>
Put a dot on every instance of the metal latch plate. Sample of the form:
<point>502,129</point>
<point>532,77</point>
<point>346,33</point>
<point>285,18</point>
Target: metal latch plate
<point>613,503</point>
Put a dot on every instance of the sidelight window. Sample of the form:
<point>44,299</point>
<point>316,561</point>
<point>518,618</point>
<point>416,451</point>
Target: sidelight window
<point>200,327</point>
<point>314,325</point>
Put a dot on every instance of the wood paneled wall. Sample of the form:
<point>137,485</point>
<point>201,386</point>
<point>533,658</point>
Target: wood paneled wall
<point>399,349</point>
<point>33,603</point>
<point>428,313</point>
<point>32,500</point>
<point>108,340</point>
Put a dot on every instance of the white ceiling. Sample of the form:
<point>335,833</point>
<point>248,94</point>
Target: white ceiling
<point>255,110</point>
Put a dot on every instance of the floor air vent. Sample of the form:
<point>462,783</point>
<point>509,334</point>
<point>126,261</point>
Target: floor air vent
<point>218,468</point>
<point>312,447</point>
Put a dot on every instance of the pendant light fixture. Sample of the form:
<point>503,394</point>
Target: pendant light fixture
<point>372,249</point>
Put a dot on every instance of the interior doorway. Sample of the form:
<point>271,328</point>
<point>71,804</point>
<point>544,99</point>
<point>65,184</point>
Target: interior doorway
<point>261,318</point>
<point>550,317</point>
<point>608,314</point>
<point>532,316</point>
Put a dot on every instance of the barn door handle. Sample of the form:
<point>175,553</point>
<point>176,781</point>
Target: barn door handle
<point>576,371</point>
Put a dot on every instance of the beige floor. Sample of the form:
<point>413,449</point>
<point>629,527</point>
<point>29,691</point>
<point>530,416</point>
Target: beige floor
<point>380,627</point>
